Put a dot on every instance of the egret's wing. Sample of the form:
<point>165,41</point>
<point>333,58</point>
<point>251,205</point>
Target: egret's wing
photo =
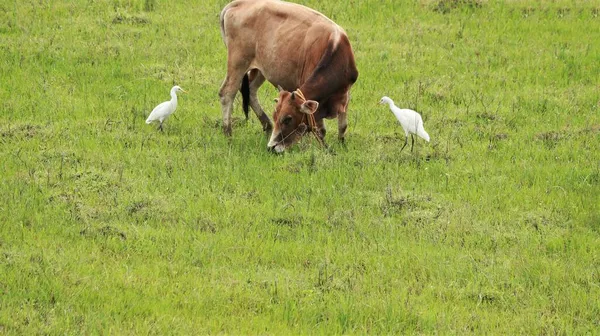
<point>420,127</point>
<point>416,123</point>
<point>158,112</point>
<point>406,119</point>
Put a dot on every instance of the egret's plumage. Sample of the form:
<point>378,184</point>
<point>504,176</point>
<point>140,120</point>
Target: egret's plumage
<point>164,110</point>
<point>411,121</point>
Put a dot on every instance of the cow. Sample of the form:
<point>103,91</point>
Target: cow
<point>299,50</point>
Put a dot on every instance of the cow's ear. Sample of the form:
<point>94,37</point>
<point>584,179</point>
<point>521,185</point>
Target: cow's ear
<point>309,107</point>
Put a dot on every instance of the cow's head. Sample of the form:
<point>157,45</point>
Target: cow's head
<point>290,119</point>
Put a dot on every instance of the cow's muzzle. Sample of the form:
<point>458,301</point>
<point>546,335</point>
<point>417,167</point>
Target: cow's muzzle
<point>275,145</point>
<point>278,149</point>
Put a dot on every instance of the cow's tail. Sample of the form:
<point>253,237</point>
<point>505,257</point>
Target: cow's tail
<point>245,90</point>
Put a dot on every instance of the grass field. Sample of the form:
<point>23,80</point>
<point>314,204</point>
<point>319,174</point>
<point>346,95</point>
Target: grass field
<point>109,226</point>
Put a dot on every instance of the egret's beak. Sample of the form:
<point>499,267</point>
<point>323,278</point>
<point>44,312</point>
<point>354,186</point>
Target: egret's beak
<point>182,90</point>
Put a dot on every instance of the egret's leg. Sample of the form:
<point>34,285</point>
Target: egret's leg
<point>256,80</point>
<point>160,127</point>
<point>412,144</point>
<point>405,143</point>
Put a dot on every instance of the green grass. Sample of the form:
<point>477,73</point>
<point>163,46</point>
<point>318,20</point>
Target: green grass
<point>108,226</point>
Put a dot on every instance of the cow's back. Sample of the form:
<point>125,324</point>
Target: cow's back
<point>285,41</point>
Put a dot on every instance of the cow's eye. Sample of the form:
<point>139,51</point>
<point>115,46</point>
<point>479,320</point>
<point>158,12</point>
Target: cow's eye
<point>286,120</point>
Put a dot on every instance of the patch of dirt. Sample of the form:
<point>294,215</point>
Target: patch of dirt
<point>549,136</point>
<point>486,117</point>
<point>484,298</point>
<point>536,221</point>
<point>446,6</point>
<point>452,121</point>
<point>294,168</point>
<point>594,129</point>
<point>387,138</point>
<point>206,225</point>
<point>105,231</point>
<point>130,19</point>
<point>393,204</point>
<point>550,139</point>
<point>26,131</point>
<point>235,122</point>
<point>290,222</point>
<point>136,207</point>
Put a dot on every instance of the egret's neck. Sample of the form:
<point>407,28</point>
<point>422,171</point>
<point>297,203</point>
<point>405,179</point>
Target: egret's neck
<point>173,96</point>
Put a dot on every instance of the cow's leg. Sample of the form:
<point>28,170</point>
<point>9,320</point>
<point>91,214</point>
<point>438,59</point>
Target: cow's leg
<point>341,109</point>
<point>230,87</point>
<point>257,80</point>
<point>342,126</point>
<point>321,131</point>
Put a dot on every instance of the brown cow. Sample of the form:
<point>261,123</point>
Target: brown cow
<point>295,48</point>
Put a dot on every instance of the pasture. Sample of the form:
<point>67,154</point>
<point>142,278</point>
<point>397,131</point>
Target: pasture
<point>108,226</point>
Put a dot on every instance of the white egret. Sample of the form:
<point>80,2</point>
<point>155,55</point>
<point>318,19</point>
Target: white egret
<point>163,110</point>
<point>410,120</point>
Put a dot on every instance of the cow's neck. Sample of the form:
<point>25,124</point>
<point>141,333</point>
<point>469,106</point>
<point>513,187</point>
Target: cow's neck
<point>312,92</point>
<point>308,92</point>
<point>316,81</point>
